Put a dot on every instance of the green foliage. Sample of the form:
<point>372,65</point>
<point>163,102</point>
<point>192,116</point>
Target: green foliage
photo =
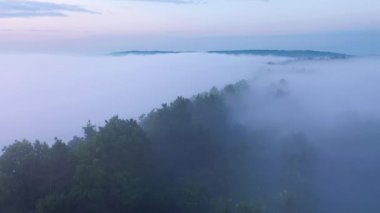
<point>189,156</point>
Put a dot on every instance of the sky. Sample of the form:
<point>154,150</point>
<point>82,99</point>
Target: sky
<point>97,26</point>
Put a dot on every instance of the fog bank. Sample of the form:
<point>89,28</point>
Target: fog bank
<point>335,106</point>
<point>47,96</point>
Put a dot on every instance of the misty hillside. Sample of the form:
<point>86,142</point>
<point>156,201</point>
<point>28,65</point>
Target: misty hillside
<point>189,106</point>
<point>303,54</point>
<point>299,54</point>
<point>137,52</point>
<point>188,156</point>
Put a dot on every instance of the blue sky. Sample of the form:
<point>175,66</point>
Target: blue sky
<point>351,26</point>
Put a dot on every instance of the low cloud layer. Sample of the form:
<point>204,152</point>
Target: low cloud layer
<point>25,9</point>
<point>333,104</point>
<point>73,90</point>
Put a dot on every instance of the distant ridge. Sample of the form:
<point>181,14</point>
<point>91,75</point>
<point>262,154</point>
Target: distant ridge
<point>285,53</point>
<point>300,54</point>
<point>137,52</point>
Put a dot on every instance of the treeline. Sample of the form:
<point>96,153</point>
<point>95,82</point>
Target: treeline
<point>190,156</point>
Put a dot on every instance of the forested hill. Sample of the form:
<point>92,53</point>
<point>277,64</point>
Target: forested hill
<point>302,54</point>
<point>306,54</point>
<point>189,156</point>
<point>136,52</point>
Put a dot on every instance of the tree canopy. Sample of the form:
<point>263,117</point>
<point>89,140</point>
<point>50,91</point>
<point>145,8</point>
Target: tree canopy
<point>189,156</point>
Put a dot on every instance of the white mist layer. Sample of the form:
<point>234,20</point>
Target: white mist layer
<point>336,106</point>
<point>44,96</point>
<point>334,103</point>
<point>309,93</point>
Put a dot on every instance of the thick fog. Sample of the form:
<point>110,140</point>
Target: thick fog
<point>47,96</point>
<point>334,104</point>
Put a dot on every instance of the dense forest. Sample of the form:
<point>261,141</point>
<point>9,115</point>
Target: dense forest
<point>189,156</point>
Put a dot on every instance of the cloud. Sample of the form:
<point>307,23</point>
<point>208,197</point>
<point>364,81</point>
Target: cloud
<point>174,1</point>
<point>24,8</point>
<point>184,1</point>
